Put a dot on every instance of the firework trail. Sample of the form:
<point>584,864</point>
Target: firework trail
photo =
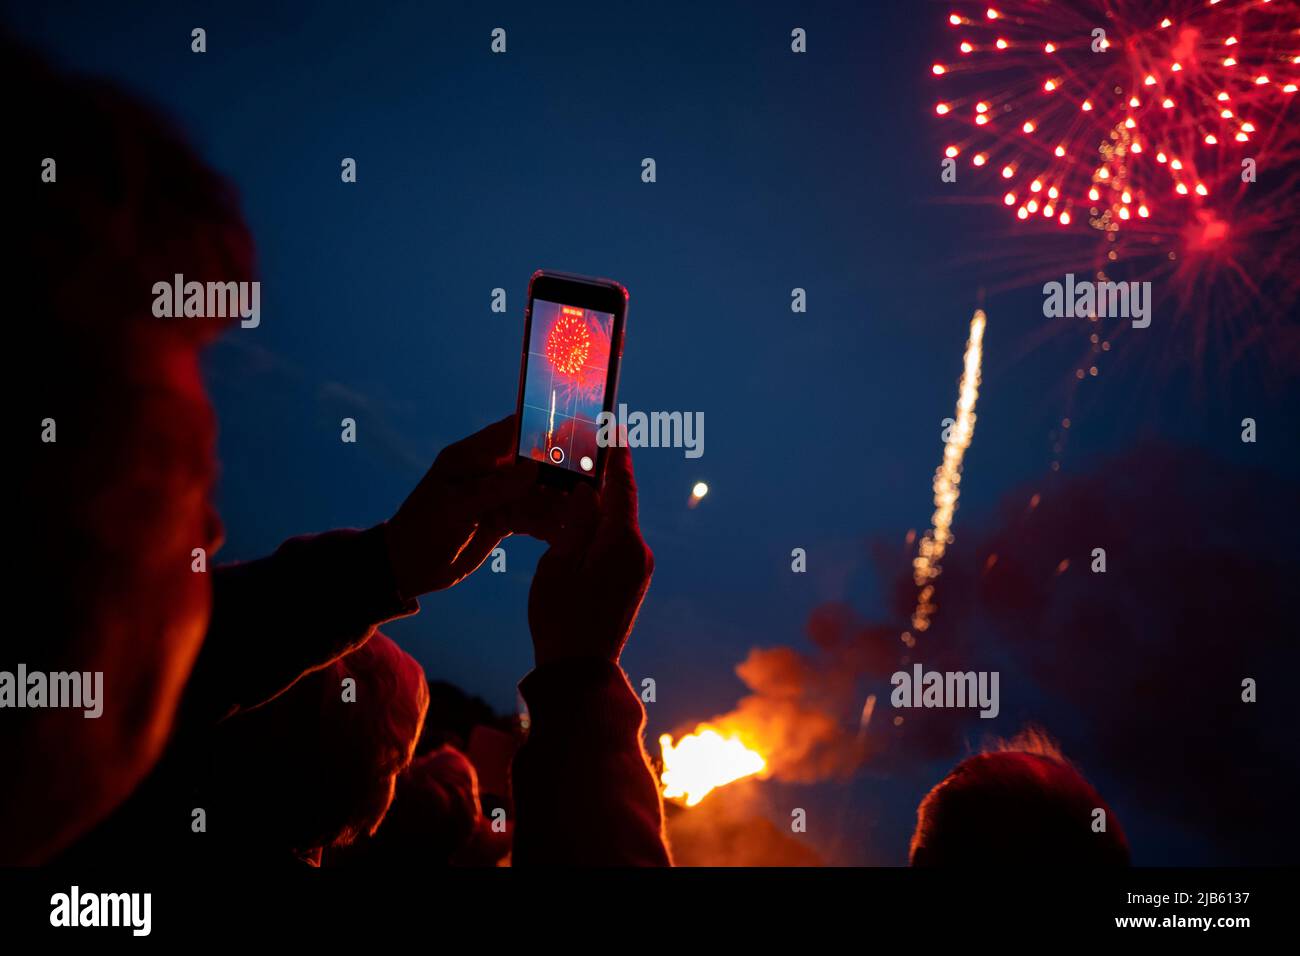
<point>868,710</point>
<point>550,422</point>
<point>947,481</point>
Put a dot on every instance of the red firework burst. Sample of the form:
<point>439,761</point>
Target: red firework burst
<point>577,347</point>
<point>569,342</point>
<point>1165,129</point>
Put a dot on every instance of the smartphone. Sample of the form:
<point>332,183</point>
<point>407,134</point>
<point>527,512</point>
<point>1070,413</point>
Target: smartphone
<point>573,345</point>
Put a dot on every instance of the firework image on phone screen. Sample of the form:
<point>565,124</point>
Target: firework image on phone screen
<point>564,384</point>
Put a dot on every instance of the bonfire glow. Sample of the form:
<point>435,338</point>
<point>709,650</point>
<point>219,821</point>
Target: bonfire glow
<point>703,761</point>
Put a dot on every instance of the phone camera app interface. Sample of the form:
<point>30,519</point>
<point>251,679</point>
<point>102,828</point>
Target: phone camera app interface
<point>564,385</point>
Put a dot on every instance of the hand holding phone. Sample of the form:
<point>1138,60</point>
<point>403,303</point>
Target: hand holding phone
<point>457,513</point>
<point>590,583</point>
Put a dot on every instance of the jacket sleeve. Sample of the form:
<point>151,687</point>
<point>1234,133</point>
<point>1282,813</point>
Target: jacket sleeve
<point>584,792</point>
<point>279,617</point>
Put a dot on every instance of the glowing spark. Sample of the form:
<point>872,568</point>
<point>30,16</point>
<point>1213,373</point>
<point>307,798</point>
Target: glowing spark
<point>868,709</point>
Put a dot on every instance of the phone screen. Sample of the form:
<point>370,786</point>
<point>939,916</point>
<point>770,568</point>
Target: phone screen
<point>564,384</point>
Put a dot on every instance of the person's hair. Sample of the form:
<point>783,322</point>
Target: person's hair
<point>1021,803</point>
<point>309,769</point>
<point>435,813</point>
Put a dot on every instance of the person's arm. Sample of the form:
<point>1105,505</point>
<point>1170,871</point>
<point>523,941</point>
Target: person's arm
<point>584,792</point>
<point>298,610</point>
<point>320,596</point>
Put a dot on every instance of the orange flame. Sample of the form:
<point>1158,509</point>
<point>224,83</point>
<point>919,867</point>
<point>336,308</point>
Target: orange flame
<point>703,761</point>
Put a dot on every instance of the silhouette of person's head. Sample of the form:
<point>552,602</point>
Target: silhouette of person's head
<point>1022,804</point>
<point>115,493</point>
<point>435,820</point>
<point>316,766</point>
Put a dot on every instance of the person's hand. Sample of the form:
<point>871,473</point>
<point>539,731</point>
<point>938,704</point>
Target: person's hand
<point>590,582</point>
<point>455,516</point>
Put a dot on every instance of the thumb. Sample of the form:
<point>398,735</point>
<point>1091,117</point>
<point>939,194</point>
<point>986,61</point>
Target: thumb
<point>476,551</point>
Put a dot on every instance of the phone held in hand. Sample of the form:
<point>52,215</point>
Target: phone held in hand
<point>568,374</point>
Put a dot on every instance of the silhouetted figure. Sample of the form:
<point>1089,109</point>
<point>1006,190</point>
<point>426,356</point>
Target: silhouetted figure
<point>316,767</point>
<point>116,529</point>
<point>117,457</point>
<point>435,820</point>
<point>1022,805</point>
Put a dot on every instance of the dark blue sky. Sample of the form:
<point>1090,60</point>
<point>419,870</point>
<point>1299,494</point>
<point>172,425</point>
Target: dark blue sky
<point>774,171</point>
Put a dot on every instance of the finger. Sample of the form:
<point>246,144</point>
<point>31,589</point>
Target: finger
<point>619,496</point>
<point>476,551</point>
<point>497,489</point>
<point>478,453</point>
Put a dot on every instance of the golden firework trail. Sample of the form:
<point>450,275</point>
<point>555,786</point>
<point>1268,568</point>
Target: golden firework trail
<point>868,709</point>
<point>550,424</point>
<point>947,481</point>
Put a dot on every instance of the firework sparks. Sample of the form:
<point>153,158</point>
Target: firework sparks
<point>577,349</point>
<point>703,761</point>
<point>947,480</point>
<point>1164,150</point>
<point>1143,125</point>
<point>1149,138</point>
<point>568,343</point>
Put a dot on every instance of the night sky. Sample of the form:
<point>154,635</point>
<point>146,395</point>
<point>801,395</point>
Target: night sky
<point>774,171</point>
